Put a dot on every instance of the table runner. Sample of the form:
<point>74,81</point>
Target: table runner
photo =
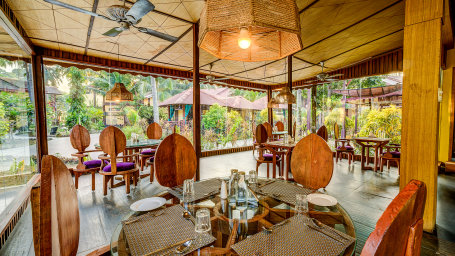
<point>283,191</point>
<point>153,233</point>
<point>294,238</point>
<point>202,189</point>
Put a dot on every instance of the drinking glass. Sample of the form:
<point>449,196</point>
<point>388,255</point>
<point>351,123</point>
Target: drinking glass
<point>188,189</point>
<point>252,178</point>
<point>202,224</point>
<point>301,204</point>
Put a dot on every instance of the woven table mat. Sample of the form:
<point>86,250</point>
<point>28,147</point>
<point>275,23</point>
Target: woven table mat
<point>295,238</point>
<point>153,233</point>
<point>202,189</point>
<point>283,191</point>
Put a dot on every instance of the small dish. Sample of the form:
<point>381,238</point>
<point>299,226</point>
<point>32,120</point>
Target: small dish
<point>148,204</point>
<point>322,199</point>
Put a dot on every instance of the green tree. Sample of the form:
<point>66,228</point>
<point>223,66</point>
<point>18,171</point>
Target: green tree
<point>215,118</point>
<point>77,112</point>
<point>384,122</point>
<point>4,127</point>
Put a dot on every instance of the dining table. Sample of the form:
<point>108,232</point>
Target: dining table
<point>365,143</point>
<point>264,228</point>
<point>285,147</point>
<point>276,135</point>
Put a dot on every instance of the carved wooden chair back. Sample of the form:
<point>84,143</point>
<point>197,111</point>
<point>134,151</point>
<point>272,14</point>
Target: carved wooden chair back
<point>312,162</point>
<point>79,138</point>
<point>322,132</point>
<point>112,142</point>
<point>269,129</point>
<point>400,228</point>
<point>175,161</point>
<point>336,131</point>
<point>261,134</point>
<point>154,131</point>
<point>55,210</point>
<point>279,126</point>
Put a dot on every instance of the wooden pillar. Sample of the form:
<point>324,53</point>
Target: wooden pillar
<point>290,89</point>
<point>313,108</point>
<point>269,110</point>
<point>40,106</point>
<point>421,68</point>
<point>196,99</point>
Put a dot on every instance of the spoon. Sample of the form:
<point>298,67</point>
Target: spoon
<point>186,214</point>
<point>183,247</point>
<point>272,228</point>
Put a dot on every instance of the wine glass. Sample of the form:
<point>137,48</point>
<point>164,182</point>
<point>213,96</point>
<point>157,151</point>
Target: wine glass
<point>188,190</point>
<point>301,204</point>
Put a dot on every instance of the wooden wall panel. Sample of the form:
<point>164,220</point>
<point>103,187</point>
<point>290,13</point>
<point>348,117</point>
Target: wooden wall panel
<point>421,67</point>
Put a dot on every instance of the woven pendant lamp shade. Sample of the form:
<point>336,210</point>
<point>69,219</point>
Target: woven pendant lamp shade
<point>119,93</point>
<point>273,27</point>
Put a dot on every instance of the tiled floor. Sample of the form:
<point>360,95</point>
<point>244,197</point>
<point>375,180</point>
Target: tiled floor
<point>363,194</point>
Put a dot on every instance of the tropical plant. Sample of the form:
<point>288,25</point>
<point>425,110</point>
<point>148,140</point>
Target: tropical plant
<point>215,118</point>
<point>128,130</point>
<point>77,112</point>
<point>4,123</point>
<point>385,122</point>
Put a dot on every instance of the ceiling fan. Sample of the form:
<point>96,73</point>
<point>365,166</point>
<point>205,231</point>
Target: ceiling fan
<point>211,79</point>
<point>324,77</point>
<point>124,16</point>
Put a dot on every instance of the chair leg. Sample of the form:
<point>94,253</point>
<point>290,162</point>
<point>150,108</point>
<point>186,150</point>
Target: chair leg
<point>267,170</point>
<point>381,163</point>
<point>112,181</point>
<point>76,179</point>
<point>127,178</point>
<point>142,163</point>
<point>152,172</point>
<point>93,180</point>
<point>336,156</point>
<point>349,158</point>
<point>105,181</point>
<point>135,177</point>
<point>388,165</point>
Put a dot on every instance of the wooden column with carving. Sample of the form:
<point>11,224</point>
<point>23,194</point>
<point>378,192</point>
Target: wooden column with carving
<point>269,110</point>
<point>40,105</point>
<point>290,89</point>
<point>196,99</point>
<point>421,67</point>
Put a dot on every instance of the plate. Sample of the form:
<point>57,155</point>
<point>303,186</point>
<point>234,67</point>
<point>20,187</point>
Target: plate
<point>147,204</point>
<point>322,199</point>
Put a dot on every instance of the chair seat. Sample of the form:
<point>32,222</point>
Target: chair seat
<point>395,154</point>
<point>151,159</point>
<point>347,147</point>
<point>93,163</point>
<point>122,166</point>
<point>148,152</point>
<point>269,157</point>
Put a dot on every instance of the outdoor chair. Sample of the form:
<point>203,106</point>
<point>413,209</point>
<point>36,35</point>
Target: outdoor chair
<point>399,230</point>
<point>80,140</point>
<point>322,132</point>
<point>269,129</point>
<point>154,132</point>
<point>279,126</point>
<point>344,148</point>
<point>113,142</point>
<point>312,162</point>
<point>390,155</point>
<point>264,154</point>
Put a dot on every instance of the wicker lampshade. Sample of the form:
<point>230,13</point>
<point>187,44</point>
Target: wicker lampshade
<point>285,96</point>
<point>119,93</point>
<point>273,27</point>
<point>273,103</point>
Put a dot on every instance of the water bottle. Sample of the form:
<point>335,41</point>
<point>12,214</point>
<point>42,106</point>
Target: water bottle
<point>233,184</point>
<point>242,192</point>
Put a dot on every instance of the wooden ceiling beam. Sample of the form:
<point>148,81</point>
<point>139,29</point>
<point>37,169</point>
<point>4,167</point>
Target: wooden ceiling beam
<point>90,26</point>
<point>308,6</point>
<point>11,24</point>
<point>170,45</point>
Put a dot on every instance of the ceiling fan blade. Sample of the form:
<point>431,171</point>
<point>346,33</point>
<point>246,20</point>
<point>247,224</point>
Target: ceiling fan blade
<point>157,34</point>
<point>113,32</point>
<point>138,10</point>
<point>337,75</point>
<point>331,79</point>
<point>77,9</point>
<point>221,78</point>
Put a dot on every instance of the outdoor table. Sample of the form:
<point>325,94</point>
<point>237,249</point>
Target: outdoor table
<point>278,134</point>
<point>377,144</point>
<point>268,212</point>
<point>285,147</point>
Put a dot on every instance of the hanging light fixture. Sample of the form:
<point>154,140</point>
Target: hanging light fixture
<point>118,92</point>
<point>273,103</point>
<point>250,30</point>
<point>285,96</point>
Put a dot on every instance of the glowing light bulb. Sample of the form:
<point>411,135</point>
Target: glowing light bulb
<point>244,39</point>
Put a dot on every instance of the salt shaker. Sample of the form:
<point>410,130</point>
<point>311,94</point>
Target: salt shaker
<point>223,190</point>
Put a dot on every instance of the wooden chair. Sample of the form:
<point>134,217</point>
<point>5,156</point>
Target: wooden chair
<point>312,162</point>
<point>322,132</point>
<point>264,154</point>
<point>175,161</point>
<point>113,142</point>
<point>399,230</point>
<point>269,129</point>
<point>80,140</point>
<point>390,155</point>
<point>344,148</point>
<point>279,126</point>
<point>154,132</point>
<point>336,133</point>
<point>55,211</point>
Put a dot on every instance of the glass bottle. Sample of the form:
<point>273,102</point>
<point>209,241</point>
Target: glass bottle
<point>232,188</point>
<point>242,192</point>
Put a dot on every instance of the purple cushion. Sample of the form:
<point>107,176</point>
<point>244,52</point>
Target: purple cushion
<point>148,152</point>
<point>151,159</point>
<point>122,166</point>
<point>269,157</point>
<point>347,147</point>
<point>93,163</point>
<point>396,154</point>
